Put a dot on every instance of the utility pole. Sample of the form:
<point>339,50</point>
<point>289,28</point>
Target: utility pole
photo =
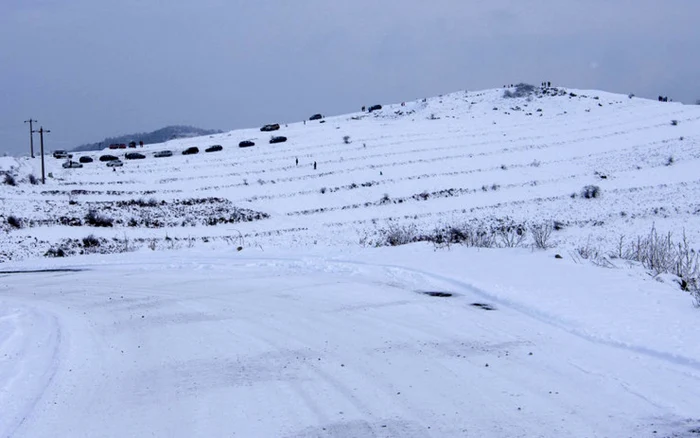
<point>41,137</point>
<point>31,136</point>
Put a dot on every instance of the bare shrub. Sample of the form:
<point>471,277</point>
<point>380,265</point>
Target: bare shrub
<point>535,163</point>
<point>541,234</point>
<point>91,241</point>
<point>346,139</point>
<point>591,253</point>
<point>14,221</point>
<point>590,192</point>
<point>511,235</point>
<point>98,220</point>
<point>654,251</point>
<point>10,179</point>
<point>659,253</point>
<point>323,190</point>
<point>32,180</point>
<point>55,252</point>
<point>674,122</point>
<point>478,236</point>
<point>396,234</point>
<point>670,160</point>
<point>385,199</point>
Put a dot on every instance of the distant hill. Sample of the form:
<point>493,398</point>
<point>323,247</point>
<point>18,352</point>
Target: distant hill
<point>159,136</point>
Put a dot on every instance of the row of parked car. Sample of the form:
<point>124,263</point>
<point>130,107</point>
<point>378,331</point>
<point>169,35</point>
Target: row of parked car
<point>114,161</point>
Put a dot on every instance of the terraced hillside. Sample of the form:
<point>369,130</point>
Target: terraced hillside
<point>466,157</point>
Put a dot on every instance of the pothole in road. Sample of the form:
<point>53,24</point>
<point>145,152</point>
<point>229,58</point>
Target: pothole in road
<point>437,294</point>
<point>483,306</point>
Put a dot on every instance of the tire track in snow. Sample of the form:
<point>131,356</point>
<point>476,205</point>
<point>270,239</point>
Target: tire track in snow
<point>536,314</point>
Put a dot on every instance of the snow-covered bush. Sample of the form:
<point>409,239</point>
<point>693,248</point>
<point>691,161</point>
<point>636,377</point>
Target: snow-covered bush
<point>55,252</point>
<point>521,90</point>
<point>91,241</point>
<point>400,234</point>
<point>152,202</point>
<point>32,179</point>
<point>590,192</point>
<point>541,234</point>
<point>14,221</point>
<point>10,179</point>
<point>98,220</point>
<point>511,235</point>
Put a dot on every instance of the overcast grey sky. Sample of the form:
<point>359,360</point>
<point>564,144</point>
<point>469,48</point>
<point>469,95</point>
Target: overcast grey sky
<point>87,69</point>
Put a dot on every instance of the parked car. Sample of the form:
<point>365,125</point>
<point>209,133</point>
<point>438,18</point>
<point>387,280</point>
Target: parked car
<point>134,156</point>
<point>85,159</point>
<point>72,165</point>
<point>273,127</point>
<point>132,144</point>
<point>61,154</point>
<point>374,108</point>
<point>214,148</point>
<point>114,146</point>
<point>246,143</point>
<point>190,151</point>
<point>161,154</point>
<point>278,139</point>
<point>108,158</point>
<point>316,117</point>
<point>115,163</point>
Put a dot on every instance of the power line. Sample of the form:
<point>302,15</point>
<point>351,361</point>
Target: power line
<point>31,136</point>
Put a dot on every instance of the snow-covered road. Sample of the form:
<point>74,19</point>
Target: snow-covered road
<point>280,345</point>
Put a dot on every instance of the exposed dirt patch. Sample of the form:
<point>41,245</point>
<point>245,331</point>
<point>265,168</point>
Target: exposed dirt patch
<point>483,306</point>
<point>35,271</point>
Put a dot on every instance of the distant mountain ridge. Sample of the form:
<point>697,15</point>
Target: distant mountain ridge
<point>158,136</point>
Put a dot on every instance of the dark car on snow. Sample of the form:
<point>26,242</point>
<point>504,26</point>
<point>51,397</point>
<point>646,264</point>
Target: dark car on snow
<point>268,128</point>
<point>374,108</point>
<point>316,117</point>
<point>191,151</point>
<point>85,159</point>
<point>214,148</point>
<point>246,143</point>
<point>278,139</point>
<point>134,156</point>
<point>108,158</point>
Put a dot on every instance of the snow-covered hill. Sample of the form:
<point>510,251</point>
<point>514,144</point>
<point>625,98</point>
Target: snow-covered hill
<point>248,297</point>
<point>460,157</point>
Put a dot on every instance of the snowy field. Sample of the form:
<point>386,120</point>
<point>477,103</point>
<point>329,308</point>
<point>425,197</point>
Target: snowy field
<point>247,295</point>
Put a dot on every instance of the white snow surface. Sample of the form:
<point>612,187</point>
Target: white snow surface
<point>287,326</point>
